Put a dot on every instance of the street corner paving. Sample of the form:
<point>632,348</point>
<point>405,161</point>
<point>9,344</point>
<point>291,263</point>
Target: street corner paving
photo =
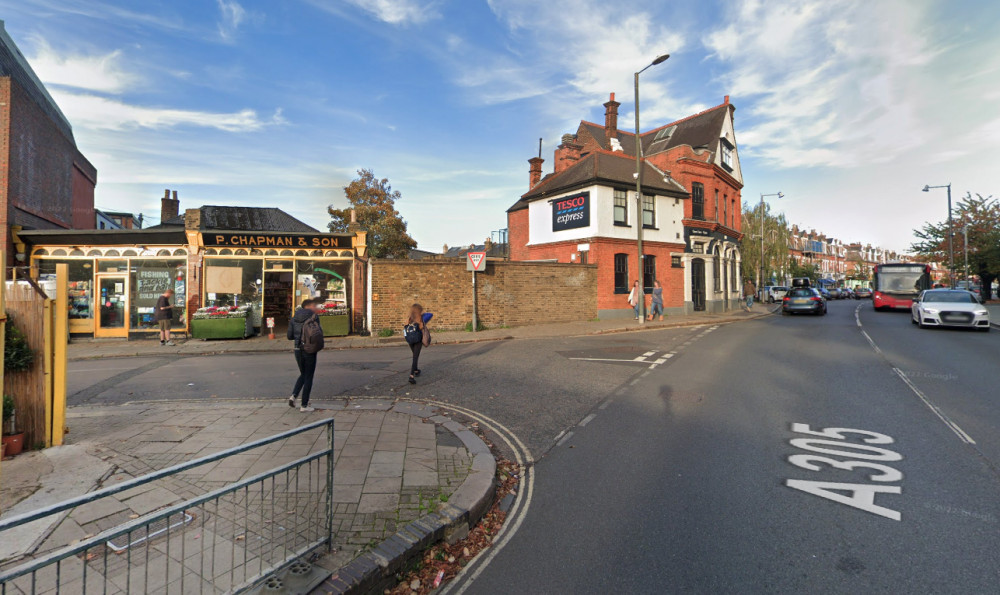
<point>314,325</point>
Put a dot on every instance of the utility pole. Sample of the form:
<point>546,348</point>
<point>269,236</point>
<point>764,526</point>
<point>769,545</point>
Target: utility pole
<point>967,284</point>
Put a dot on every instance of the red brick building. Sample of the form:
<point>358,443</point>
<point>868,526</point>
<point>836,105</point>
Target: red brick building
<point>585,210</point>
<point>45,182</point>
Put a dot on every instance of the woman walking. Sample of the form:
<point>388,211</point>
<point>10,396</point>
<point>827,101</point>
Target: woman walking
<point>657,309</point>
<point>635,298</point>
<point>413,331</point>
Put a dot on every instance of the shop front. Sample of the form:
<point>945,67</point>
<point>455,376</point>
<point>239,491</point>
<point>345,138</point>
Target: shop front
<point>226,284</point>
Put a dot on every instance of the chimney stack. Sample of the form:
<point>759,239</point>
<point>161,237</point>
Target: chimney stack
<point>169,207</point>
<point>535,171</point>
<point>611,118</point>
<point>726,100</point>
<point>567,153</point>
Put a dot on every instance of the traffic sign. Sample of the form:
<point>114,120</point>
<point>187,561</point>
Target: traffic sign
<point>476,262</point>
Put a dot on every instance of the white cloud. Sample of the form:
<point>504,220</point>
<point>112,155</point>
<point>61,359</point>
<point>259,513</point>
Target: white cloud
<point>232,15</point>
<point>102,113</point>
<point>103,72</point>
<point>832,83</point>
<point>393,12</point>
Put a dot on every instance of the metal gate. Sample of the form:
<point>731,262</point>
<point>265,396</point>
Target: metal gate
<point>698,284</point>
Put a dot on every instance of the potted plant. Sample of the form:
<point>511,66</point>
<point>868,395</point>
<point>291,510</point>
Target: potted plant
<point>13,441</point>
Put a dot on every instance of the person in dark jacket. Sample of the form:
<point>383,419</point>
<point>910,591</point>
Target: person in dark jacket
<point>305,361</point>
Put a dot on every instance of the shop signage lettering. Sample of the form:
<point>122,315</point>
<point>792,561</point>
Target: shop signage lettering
<point>571,212</point>
<point>700,232</point>
<point>276,241</point>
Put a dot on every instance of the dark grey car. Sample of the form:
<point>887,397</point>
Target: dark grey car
<point>803,300</point>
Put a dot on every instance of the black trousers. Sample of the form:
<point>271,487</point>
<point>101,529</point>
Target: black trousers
<point>307,369</point>
<point>415,348</point>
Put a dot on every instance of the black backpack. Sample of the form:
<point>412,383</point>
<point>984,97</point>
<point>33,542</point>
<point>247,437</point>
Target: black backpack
<point>413,334</point>
<point>312,336</point>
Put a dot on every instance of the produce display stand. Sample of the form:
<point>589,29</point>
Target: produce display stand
<point>222,327</point>
<point>335,325</point>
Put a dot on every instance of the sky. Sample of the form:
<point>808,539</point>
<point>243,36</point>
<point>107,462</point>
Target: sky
<point>848,107</point>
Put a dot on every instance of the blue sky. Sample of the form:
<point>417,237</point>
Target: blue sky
<point>848,107</point>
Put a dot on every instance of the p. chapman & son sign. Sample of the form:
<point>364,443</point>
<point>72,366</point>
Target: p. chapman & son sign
<point>570,212</point>
<point>277,240</point>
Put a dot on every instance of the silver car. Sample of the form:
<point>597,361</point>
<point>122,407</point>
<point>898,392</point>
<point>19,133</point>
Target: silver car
<point>949,307</point>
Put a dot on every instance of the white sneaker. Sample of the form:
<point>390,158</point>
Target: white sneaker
<point>291,401</point>
<point>306,409</point>
<point>171,343</point>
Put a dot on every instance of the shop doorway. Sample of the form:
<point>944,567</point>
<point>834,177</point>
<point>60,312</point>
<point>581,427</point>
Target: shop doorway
<point>279,299</point>
<point>112,319</point>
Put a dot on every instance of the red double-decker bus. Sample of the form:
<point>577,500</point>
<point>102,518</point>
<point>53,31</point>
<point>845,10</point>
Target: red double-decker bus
<point>897,283</point>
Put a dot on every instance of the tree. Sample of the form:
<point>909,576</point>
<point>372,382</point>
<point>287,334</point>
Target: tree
<point>980,214</point>
<point>374,204</point>
<point>860,270</point>
<point>796,270</point>
<point>777,238</point>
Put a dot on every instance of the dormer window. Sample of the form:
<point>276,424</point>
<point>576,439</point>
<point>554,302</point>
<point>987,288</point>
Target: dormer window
<point>727,154</point>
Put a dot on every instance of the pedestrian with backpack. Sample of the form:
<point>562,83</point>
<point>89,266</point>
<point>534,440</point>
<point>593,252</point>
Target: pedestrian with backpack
<point>305,330</point>
<point>414,332</point>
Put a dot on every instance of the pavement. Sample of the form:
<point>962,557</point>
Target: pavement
<point>994,308</point>
<point>83,349</point>
<point>396,461</point>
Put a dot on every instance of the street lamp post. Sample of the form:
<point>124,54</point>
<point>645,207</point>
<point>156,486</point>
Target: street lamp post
<point>638,190</point>
<point>965,230</point>
<point>951,235</point>
<point>760,279</point>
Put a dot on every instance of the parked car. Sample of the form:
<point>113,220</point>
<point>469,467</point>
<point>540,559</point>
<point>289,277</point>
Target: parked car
<point>775,293</point>
<point>803,300</point>
<point>823,292</point>
<point>848,293</point>
<point>949,307</point>
<point>835,293</point>
<point>863,293</point>
<point>973,287</point>
<point>801,282</point>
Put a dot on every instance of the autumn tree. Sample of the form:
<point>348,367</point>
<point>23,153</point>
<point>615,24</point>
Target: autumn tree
<point>374,204</point>
<point>777,237</point>
<point>980,215</point>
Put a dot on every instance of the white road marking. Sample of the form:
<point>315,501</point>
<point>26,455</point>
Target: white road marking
<point>863,495</point>
<point>559,435</point>
<point>564,438</point>
<point>604,405</point>
<point>857,315</point>
<point>870,342</point>
<point>603,359</point>
<point>587,420</point>
<point>944,418</point>
<point>634,382</point>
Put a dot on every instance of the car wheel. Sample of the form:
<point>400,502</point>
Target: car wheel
<point>912,319</point>
<point>920,321</point>
<point>822,312</point>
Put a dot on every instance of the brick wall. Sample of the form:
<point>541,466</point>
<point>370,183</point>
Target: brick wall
<point>517,234</point>
<point>509,293</point>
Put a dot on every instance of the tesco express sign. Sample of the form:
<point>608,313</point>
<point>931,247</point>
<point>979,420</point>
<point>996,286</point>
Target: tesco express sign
<point>571,212</point>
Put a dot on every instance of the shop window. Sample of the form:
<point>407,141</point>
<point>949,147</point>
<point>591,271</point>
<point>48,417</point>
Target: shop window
<point>278,264</point>
<point>112,253</point>
<point>80,284</point>
<point>244,285</point>
<point>621,273</point>
<point>698,201</point>
<point>716,204</point>
<point>43,252</point>
<point>163,252</point>
<point>130,253</point>
<point>94,252</point>
<point>716,272</point>
<point>676,262</point>
<point>287,253</point>
<point>225,252</point>
<point>180,252</point>
<point>256,252</point>
<point>211,251</point>
<point>317,253</point>
<point>76,252</point>
<point>112,266</point>
<point>648,273</point>
<point>270,252</point>
<point>322,279</point>
<point>346,254</point>
<point>149,278</point>
<point>648,211</point>
<point>621,207</point>
<point>584,256</point>
<point>698,248</point>
<point>58,252</point>
<point>302,253</point>
<point>242,252</point>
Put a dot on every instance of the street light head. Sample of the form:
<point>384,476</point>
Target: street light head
<point>927,188</point>
<point>660,59</point>
<point>780,195</point>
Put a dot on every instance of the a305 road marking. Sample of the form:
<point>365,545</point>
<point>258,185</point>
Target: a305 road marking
<point>834,442</point>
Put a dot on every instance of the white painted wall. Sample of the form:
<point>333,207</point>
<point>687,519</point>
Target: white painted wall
<point>669,215</point>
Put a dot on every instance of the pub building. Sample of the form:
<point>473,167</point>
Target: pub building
<point>231,268</point>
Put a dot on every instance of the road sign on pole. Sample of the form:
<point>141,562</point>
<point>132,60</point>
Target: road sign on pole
<point>476,262</point>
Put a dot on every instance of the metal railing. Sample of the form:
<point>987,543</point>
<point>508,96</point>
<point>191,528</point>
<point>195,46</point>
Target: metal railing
<point>226,540</point>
